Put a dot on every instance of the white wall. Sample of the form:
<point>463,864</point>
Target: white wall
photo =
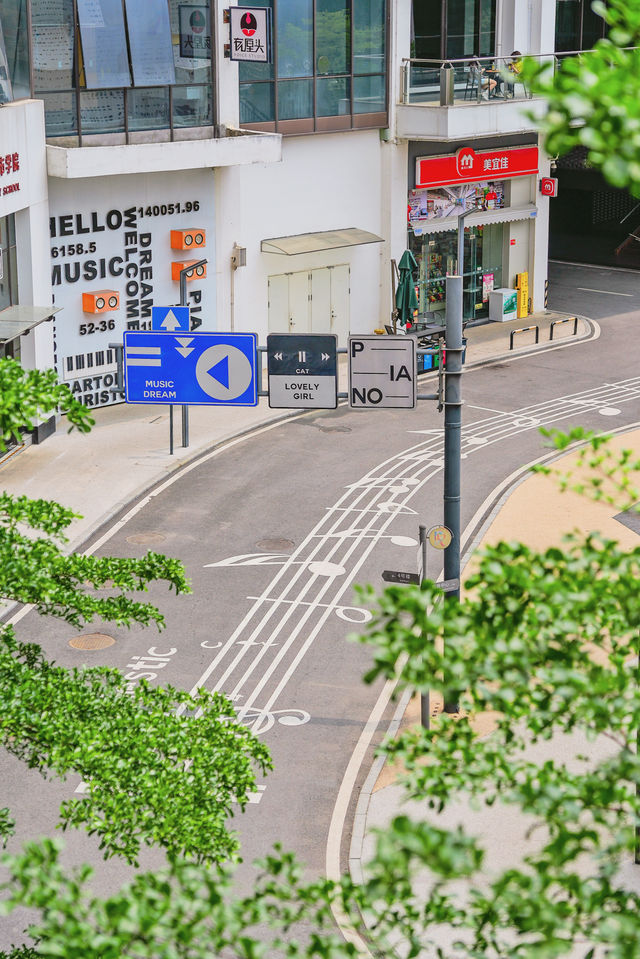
<point>325,182</point>
<point>525,25</point>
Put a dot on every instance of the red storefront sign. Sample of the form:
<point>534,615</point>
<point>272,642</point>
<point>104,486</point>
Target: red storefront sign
<point>467,166</point>
<point>549,186</point>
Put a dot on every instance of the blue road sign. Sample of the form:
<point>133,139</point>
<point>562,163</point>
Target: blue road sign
<point>170,319</point>
<point>195,369</point>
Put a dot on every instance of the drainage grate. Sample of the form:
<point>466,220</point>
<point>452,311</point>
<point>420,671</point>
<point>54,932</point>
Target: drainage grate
<point>275,544</point>
<point>92,641</point>
<point>146,539</point>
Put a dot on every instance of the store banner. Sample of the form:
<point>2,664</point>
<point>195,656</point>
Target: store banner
<point>467,166</point>
<point>444,202</point>
<point>250,34</point>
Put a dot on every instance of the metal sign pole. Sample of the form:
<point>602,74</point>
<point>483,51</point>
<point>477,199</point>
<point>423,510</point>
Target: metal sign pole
<point>425,698</point>
<point>453,438</point>
<point>184,302</point>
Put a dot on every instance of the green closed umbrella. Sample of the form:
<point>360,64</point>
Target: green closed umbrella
<point>406,299</point>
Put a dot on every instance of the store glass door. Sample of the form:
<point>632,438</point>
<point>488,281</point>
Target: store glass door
<point>437,255</point>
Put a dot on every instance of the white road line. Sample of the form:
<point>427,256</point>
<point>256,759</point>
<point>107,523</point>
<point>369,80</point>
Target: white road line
<point>587,289</point>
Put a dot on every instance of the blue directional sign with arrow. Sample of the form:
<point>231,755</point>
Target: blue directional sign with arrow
<point>170,319</point>
<point>195,369</point>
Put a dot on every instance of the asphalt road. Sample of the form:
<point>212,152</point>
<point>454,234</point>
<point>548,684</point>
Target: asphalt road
<point>275,532</point>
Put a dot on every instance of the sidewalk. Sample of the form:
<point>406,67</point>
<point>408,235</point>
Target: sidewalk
<point>127,451</point>
<point>538,514</point>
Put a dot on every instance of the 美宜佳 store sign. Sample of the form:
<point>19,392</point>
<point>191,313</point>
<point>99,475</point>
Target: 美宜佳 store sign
<point>468,166</point>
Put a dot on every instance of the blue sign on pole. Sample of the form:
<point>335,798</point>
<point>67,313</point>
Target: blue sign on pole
<point>170,319</point>
<point>198,369</point>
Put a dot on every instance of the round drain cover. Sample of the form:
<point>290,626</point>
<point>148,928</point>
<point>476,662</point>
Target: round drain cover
<point>146,539</point>
<point>276,544</point>
<point>92,641</point>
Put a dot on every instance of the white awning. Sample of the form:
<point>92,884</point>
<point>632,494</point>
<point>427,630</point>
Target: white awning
<point>481,218</point>
<point>17,320</point>
<point>315,242</point>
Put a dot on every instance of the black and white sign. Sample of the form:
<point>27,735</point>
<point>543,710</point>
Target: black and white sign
<point>303,371</point>
<point>250,36</point>
<point>382,372</point>
<point>399,576</point>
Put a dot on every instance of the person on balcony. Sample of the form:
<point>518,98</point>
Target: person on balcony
<point>481,83</point>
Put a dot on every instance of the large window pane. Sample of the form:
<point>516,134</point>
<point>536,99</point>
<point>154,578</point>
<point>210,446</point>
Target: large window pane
<point>295,99</point>
<point>333,37</point>
<point>13,16</point>
<point>256,103</point>
<point>60,114</point>
<point>462,29</point>
<point>332,97</point>
<point>257,71</point>
<point>567,25</point>
<point>368,36</point>
<point>52,33</point>
<point>102,111</point>
<point>294,31</point>
<point>148,109</point>
<point>426,29</point>
<point>150,42</point>
<point>192,106</point>
<point>368,94</point>
<point>6,93</point>
<point>104,45</point>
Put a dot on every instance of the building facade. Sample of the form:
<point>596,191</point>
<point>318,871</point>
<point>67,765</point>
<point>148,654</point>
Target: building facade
<point>298,180</point>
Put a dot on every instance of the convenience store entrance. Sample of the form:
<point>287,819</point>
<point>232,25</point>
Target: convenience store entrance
<point>436,255</point>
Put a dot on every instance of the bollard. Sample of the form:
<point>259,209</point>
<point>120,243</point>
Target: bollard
<point>523,329</point>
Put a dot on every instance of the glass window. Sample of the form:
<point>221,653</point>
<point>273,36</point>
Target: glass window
<point>333,37</point>
<point>332,97</point>
<point>148,109</point>
<point>192,106</point>
<point>368,36</point>
<point>295,38</point>
<point>60,114</point>
<point>150,42</point>
<point>257,103</point>
<point>295,99</point>
<point>6,93</point>
<point>426,29</point>
<point>13,16</point>
<point>52,40</point>
<point>102,111</point>
<point>368,94</point>
<point>567,25</point>
<point>104,45</point>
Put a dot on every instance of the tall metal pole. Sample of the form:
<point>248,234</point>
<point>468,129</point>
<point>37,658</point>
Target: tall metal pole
<point>453,436</point>
<point>185,302</point>
<point>425,699</point>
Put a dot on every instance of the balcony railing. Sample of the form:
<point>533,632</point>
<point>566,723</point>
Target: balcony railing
<point>472,80</point>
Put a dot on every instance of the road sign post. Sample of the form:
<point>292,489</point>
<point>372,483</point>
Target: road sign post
<point>303,371</point>
<point>382,372</point>
<point>453,438</point>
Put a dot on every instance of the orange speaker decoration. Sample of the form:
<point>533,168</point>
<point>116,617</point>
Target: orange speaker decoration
<point>195,274</point>
<point>100,301</point>
<point>190,239</point>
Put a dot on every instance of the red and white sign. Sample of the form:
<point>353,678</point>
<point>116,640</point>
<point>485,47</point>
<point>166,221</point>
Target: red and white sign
<point>467,166</point>
<point>549,186</point>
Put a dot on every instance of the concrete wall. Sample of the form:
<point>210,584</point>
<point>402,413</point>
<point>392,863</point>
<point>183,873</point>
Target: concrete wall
<point>323,183</point>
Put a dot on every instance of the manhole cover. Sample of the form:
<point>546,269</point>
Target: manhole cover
<point>275,544</point>
<point>92,641</point>
<point>146,539</point>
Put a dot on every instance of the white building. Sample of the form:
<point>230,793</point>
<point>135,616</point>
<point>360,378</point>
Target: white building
<point>298,180</point>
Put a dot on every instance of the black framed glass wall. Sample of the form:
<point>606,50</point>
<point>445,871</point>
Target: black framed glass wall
<point>112,66</point>
<point>329,70</point>
<point>453,28</point>
<point>577,26</point>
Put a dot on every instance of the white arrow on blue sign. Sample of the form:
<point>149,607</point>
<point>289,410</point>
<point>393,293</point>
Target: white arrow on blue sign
<point>170,319</point>
<point>198,369</point>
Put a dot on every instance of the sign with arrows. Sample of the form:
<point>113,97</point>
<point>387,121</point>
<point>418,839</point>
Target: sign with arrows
<point>198,369</point>
<point>303,371</point>
<point>170,319</point>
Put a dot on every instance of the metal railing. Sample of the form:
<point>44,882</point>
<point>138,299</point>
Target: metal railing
<point>472,79</point>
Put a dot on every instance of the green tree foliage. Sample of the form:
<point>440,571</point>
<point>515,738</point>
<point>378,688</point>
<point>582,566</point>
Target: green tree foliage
<point>161,767</point>
<point>592,99</point>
